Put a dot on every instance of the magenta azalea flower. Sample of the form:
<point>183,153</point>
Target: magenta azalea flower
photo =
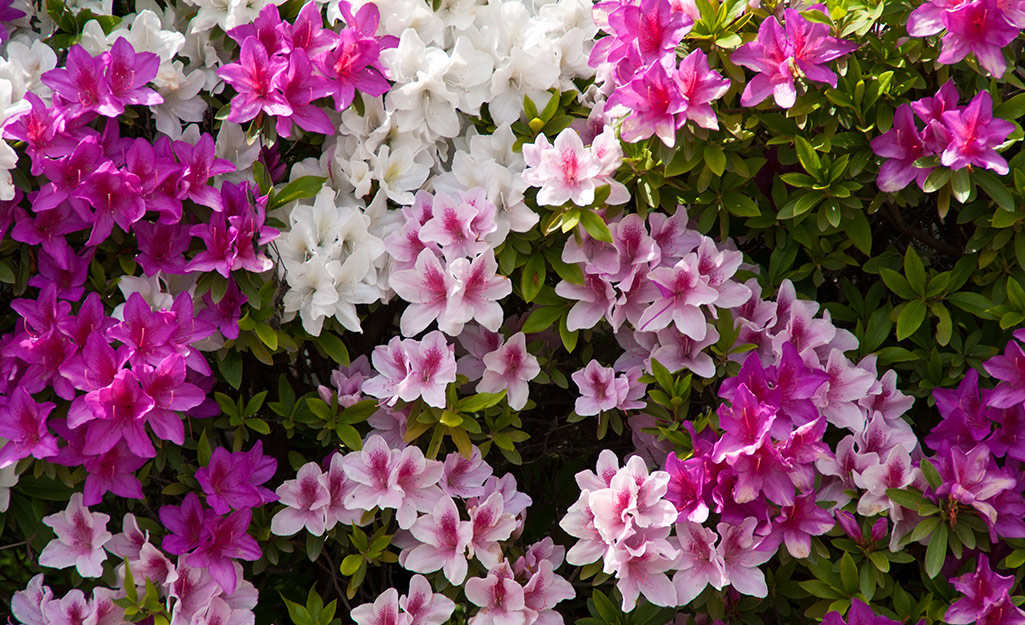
<point>779,56</point>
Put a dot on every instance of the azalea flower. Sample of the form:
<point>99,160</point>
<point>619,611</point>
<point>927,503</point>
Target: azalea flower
<point>779,55</point>
<point>81,535</point>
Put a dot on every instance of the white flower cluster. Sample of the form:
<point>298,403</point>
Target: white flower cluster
<point>332,258</point>
<point>448,65</point>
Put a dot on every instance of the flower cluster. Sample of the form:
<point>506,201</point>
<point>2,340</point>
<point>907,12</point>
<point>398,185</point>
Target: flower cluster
<point>779,55</point>
<point>284,68</point>
<point>644,82</point>
<point>961,136</point>
<point>979,27</point>
<point>566,171</point>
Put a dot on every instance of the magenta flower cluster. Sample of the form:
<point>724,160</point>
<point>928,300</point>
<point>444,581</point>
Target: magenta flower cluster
<point>980,27</point>
<point>781,54</point>
<point>962,136</point>
<point>284,68</point>
<point>655,93</point>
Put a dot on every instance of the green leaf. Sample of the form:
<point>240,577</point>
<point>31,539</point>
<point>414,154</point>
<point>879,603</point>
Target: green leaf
<point>542,318</point>
<point>349,436</point>
<point>715,159</point>
<point>533,277</point>
<point>820,589</point>
<point>595,226</point>
<point>258,425</point>
<point>350,564</point>
<point>298,613</point>
<point>334,347</point>
<point>897,283</point>
<point>1011,109</point>
<point>994,188</point>
<point>480,401</point>
<point>740,205</point>
<point>849,574</point>
<point>906,498</point>
<point>914,271</point>
<point>961,185</point>
<point>974,303</point>
<point>936,552</point>
<point>230,367</point>
<point>607,610</point>
<point>267,335</point>
<point>936,180</point>
<point>808,156</point>
<point>569,337</point>
<point>911,318</point>
<point>932,476</point>
<point>302,187</point>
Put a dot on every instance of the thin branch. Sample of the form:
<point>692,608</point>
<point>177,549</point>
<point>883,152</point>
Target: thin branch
<point>921,236</point>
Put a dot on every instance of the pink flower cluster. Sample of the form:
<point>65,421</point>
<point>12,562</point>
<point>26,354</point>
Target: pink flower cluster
<point>779,55</point>
<point>191,593</point>
<point>962,137</point>
<point>213,538</point>
<point>408,369</point>
<point>653,275</point>
<point>421,606</point>
<point>569,172</point>
<point>979,27</point>
<point>445,266</point>
<point>284,68</point>
<point>638,61</point>
<point>987,599</point>
<point>120,375</point>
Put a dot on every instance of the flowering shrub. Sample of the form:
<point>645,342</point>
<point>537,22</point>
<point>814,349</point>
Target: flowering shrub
<point>511,313</point>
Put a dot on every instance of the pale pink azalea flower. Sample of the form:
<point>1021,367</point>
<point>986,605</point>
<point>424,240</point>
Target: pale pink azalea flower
<point>641,563</point>
<point>423,605</point>
<point>478,342</point>
<point>192,592</point>
<point>392,364</point>
<point>737,547</point>
<point>544,550</point>
<point>432,368</point>
<point>510,368</point>
<point>637,251</point>
<point>683,290</point>
<point>474,294</point>
<point>383,611</point>
<point>371,470</point>
<point>72,609</point>
<point>500,598</point>
<point>634,499</point>
<point>490,527</point>
<point>514,501</point>
<point>151,564</point>
<point>699,564</point>
<point>465,477</point>
<point>836,398</point>
<point>28,605</point>
<point>595,299</point>
<point>130,541</point>
<point>543,591</point>
<point>81,536</point>
<point>338,487</point>
<point>894,472</point>
<point>676,351</point>
<point>427,287</point>
<point>718,267</point>
<point>601,390</point>
<point>607,468</point>
<point>565,171</point>
<point>108,612</point>
<point>220,612</point>
<point>306,499</point>
<point>417,477</point>
<point>579,523</point>
<point>444,540</point>
<point>390,425</point>
<point>459,226</point>
<point>606,147</point>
